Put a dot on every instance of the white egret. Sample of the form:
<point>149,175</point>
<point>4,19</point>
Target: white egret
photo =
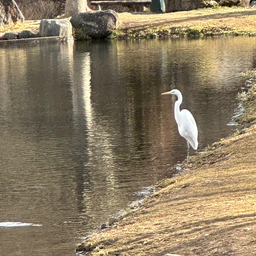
<point>186,123</point>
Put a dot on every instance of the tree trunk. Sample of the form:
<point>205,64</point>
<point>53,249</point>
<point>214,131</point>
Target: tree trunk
<point>76,6</point>
<point>9,12</point>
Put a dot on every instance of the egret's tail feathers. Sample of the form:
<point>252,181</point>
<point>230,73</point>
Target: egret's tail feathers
<point>194,145</point>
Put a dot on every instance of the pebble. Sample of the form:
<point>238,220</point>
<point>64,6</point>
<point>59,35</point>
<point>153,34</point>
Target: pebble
<point>112,220</point>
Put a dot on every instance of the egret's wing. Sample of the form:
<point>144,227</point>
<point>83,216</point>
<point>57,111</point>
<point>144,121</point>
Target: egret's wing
<point>188,128</point>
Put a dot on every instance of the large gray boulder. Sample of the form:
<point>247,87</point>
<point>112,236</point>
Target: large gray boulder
<point>55,27</point>
<point>98,24</point>
<point>9,12</point>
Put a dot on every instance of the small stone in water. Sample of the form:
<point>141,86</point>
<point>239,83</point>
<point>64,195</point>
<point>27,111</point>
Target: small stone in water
<point>112,220</point>
<point>104,225</point>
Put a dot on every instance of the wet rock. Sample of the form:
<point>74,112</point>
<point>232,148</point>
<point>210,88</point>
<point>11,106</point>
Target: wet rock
<point>113,220</point>
<point>136,204</point>
<point>239,111</point>
<point>121,214</point>
<point>55,27</point>
<point>26,34</point>
<point>104,226</point>
<point>99,24</point>
<point>249,83</point>
<point>177,169</point>
<point>21,35</point>
<point>9,36</point>
<point>80,253</point>
<point>10,12</point>
<point>85,247</point>
<point>165,183</point>
<point>185,185</point>
<point>145,192</point>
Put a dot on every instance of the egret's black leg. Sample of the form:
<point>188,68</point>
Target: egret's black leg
<point>188,152</point>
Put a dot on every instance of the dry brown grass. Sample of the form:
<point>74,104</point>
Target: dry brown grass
<point>223,20</point>
<point>41,9</point>
<point>210,210</point>
<point>18,27</point>
<point>212,16</point>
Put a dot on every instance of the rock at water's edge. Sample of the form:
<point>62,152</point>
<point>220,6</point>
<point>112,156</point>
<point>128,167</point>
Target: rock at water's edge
<point>55,27</point>
<point>97,24</point>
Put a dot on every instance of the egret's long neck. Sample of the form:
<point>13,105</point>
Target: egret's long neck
<point>177,108</point>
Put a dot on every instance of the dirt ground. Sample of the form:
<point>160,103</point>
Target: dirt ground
<point>208,210</point>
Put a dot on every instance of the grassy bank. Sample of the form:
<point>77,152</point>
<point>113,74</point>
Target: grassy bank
<point>195,23</point>
<point>208,210</point>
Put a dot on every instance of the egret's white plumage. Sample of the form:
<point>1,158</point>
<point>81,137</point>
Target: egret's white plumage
<point>186,123</point>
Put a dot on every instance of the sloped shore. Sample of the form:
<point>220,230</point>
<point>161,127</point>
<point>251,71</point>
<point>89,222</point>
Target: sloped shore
<point>208,210</point>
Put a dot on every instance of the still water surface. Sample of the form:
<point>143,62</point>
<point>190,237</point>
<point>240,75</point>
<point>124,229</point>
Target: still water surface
<point>84,126</point>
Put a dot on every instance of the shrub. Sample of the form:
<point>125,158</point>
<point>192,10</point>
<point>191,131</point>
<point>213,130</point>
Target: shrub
<point>41,9</point>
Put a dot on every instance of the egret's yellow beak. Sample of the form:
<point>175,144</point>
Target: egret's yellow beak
<point>165,93</point>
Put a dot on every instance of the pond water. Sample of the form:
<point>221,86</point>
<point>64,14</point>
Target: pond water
<point>84,126</point>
